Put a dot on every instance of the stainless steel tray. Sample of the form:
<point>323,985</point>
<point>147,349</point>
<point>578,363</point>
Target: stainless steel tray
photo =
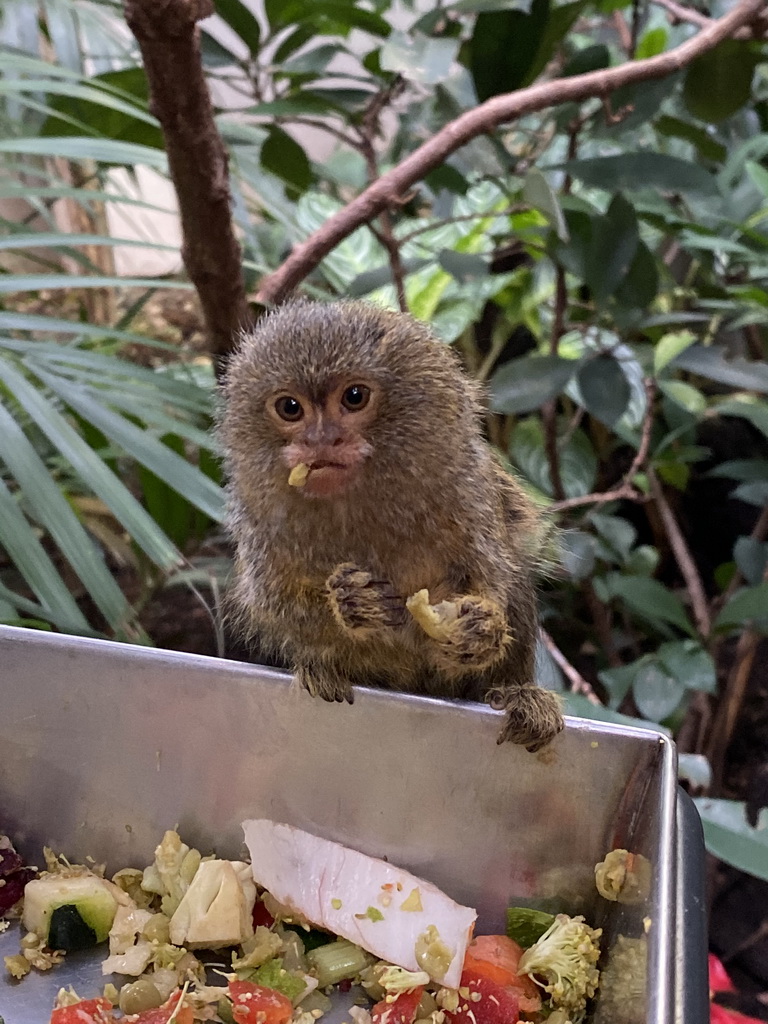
<point>104,746</point>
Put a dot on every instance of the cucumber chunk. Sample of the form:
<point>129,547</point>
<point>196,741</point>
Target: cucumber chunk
<point>88,894</point>
<point>69,931</point>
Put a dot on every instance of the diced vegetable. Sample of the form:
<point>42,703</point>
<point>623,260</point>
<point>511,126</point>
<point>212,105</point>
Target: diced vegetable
<point>13,875</point>
<point>566,956</point>
<point>526,926</point>
<point>88,895</point>
<point>169,1011</point>
<point>483,1001</point>
<point>336,961</point>
<point>172,871</point>
<point>401,1010</point>
<point>87,1011</point>
<point>216,910</point>
<point>254,1004</point>
<point>272,974</point>
<point>361,899</point>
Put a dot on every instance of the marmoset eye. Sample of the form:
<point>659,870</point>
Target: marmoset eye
<point>289,408</point>
<point>356,397</point>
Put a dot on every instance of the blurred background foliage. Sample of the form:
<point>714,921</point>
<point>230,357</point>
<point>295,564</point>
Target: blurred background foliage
<point>602,266</point>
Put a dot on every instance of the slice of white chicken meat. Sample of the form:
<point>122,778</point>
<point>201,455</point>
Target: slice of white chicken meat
<point>389,912</point>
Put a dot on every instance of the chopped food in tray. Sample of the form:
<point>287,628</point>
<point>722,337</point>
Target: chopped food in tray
<point>304,916</point>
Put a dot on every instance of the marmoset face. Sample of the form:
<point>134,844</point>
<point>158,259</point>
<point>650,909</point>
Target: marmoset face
<point>324,432</point>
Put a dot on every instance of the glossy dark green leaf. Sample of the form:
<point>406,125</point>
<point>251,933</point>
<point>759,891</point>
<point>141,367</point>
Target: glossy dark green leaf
<point>525,384</point>
<point>656,693</point>
<point>604,389</point>
<point>641,283</point>
<point>711,362</point>
<point>719,82</point>
<point>574,255</point>
<point>591,58</point>
<point>616,533</point>
<point>293,42</point>
<point>707,147</point>
<point>214,54</point>
<point>327,17</point>
<point>633,171</point>
<point>504,47</point>
<point>648,598</point>
<point>464,266</point>
<point>576,458</point>
<point>613,246</point>
<point>284,157</point>
<point>688,663</point>
<point>729,836</point>
<point>751,556</point>
<point>241,20</point>
<point>749,605</point>
<point>653,42</point>
<point>754,493</point>
<point>105,119</point>
<point>559,22</point>
<point>539,194</point>
<point>618,681</point>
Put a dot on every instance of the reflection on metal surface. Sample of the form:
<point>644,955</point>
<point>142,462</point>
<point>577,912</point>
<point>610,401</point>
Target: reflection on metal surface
<point>106,745</point>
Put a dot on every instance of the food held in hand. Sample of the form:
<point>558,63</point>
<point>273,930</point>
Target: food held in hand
<point>434,619</point>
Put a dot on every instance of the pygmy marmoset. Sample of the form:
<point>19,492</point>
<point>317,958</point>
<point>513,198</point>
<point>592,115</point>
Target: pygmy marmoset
<point>379,542</point>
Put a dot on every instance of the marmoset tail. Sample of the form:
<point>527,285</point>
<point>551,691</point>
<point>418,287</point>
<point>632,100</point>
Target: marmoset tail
<point>379,542</point>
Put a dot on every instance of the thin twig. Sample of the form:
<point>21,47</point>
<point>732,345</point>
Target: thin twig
<point>626,490</point>
<point>730,705</point>
<point>387,190</point>
<point>683,557</point>
<point>680,14</point>
<point>578,683</point>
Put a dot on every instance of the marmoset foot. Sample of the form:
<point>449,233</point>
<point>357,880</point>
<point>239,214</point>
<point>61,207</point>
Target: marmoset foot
<point>533,715</point>
<point>362,604</point>
<point>324,683</point>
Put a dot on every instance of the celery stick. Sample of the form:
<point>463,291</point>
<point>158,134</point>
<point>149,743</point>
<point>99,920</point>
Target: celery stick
<point>337,961</point>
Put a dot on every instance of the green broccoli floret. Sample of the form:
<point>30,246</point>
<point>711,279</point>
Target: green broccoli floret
<point>565,956</point>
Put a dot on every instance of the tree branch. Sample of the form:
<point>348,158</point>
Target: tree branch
<point>626,490</point>
<point>387,189</point>
<point>578,683</point>
<point>683,558</point>
<point>167,33</point>
<point>680,14</point>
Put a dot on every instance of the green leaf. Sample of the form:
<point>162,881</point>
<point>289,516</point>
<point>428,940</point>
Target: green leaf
<point>618,534</point>
<point>526,926</point>
<point>707,147</point>
<point>648,598</point>
<point>730,837</point>
<point>577,553</point>
<point>419,58</point>
<point>641,284</point>
<point>656,693</point>
<point>91,470</point>
<point>110,151</point>
<point>559,22</point>
<point>241,20</point>
<point>719,82</point>
<point>755,493</point>
<point>538,193</point>
<point>618,681</point>
<point>641,171</point>
<point>10,283</point>
<point>284,157</point>
<point>755,413</point>
<point>688,663</point>
<point>53,511</point>
<point>591,58</point>
<point>749,605</point>
<point>573,255</point>
<point>464,266</point>
<point>504,46</point>
<point>684,395</point>
<point>751,556</point>
<point>525,384</point>
<point>197,488</point>
<point>577,459</point>
<point>711,362</point>
<point>577,704</point>
<point>669,347</point>
<point>741,469</point>
<point>652,43</point>
<point>20,542</point>
<point>604,388</point>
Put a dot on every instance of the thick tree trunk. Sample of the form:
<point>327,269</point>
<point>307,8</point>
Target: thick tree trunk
<point>169,38</point>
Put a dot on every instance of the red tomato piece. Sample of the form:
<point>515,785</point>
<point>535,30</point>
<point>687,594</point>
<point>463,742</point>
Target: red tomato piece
<point>402,1009</point>
<point>87,1011</point>
<point>161,1014</point>
<point>496,957</point>
<point>261,916</point>
<point>487,1002</point>
<point>255,1004</point>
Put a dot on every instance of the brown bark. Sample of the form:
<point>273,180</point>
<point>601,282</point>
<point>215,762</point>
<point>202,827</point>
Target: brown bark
<point>167,33</point>
<point>388,189</point>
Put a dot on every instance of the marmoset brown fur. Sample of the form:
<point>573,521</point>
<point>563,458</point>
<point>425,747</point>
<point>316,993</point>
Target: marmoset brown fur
<point>359,478</point>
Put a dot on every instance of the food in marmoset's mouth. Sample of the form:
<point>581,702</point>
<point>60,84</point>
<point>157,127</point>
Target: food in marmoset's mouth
<point>298,475</point>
